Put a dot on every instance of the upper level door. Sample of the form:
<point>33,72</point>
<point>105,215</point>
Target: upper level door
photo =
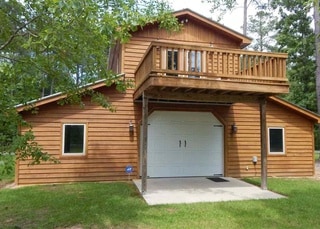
<point>194,61</point>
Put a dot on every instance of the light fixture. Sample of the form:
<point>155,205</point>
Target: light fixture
<point>184,21</point>
<point>131,127</point>
<point>234,128</point>
<point>254,160</point>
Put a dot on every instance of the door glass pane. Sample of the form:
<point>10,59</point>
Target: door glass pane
<point>172,62</point>
<point>194,61</point>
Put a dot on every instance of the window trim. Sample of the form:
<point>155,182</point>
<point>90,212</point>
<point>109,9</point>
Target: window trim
<point>84,139</point>
<point>283,152</point>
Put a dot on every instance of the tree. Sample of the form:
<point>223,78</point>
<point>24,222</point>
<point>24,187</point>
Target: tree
<point>316,18</point>
<point>223,6</point>
<point>296,37</point>
<point>49,46</point>
<point>261,27</point>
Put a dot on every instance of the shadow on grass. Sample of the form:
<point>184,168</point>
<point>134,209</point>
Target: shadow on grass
<point>102,205</point>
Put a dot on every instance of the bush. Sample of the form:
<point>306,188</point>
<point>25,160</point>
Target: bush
<point>7,163</point>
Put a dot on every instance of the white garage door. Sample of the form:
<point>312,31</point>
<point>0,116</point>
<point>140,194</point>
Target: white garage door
<point>184,144</point>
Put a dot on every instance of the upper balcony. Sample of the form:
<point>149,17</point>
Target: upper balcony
<point>184,72</point>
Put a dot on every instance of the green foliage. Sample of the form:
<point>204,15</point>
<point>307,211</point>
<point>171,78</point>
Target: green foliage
<point>51,46</point>
<point>261,27</point>
<point>222,6</point>
<point>7,165</point>
<point>296,37</point>
<point>26,148</point>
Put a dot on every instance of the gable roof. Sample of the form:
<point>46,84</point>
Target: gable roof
<point>290,106</point>
<point>57,96</point>
<point>245,41</point>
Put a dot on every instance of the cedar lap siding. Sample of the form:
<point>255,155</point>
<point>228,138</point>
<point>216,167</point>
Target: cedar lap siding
<point>110,147</point>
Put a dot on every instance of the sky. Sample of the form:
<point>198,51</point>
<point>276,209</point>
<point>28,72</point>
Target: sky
<point>232,20</point>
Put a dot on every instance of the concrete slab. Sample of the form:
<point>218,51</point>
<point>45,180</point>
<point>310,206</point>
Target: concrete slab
<point>200,189</point>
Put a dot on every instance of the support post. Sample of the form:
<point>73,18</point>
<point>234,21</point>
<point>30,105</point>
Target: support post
<point>263,140</point>
<point>144,173</point>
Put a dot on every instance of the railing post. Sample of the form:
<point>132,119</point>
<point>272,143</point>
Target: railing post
<point>163,58</point>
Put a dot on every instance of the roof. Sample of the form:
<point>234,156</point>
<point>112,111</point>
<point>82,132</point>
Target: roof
<point>245,41</point>
<point>57,96</point>
<point>302,111</point>
<point>100,83</point>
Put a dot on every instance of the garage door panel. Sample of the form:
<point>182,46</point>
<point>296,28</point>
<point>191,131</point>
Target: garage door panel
<point>165,171</point>
<point>184,144</point>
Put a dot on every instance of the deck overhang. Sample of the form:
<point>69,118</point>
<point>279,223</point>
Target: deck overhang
<point>196,73</point>
<point>206,90</point>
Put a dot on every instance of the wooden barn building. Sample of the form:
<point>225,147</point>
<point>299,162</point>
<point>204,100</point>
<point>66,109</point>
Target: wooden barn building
<point>201,106</point>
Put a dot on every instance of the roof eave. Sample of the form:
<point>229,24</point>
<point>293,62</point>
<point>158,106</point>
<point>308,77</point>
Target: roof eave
<point>304,112</point>
<point>57,96</point>
<point>245,40</point>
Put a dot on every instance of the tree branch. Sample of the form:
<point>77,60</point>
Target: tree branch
<point>15,34</point>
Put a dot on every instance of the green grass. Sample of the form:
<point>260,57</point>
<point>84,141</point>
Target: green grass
<point>118,205</point>
<point>317,155</point>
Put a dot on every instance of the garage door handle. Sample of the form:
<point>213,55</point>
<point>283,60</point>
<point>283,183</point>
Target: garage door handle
<point>185,143</point>
<point>179,143</point>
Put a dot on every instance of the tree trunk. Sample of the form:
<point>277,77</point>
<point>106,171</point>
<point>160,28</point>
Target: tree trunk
<point>316,18</point>
<point>245,17</point>
<point>317,54</point>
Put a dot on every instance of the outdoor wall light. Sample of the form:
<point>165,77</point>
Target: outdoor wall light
<point>254,160</point>
<point>234,128</point>
<point>131,127</point>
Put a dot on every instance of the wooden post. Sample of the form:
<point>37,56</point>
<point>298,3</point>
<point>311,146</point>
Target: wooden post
<point>144,143</point>
<point>263,140</point>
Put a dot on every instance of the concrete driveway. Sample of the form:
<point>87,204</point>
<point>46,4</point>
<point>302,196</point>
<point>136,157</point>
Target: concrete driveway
<point>201,189</point>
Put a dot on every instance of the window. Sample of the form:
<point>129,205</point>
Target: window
<point>276,140</point>
<point>194,61</point>
<point>74,139</point>
<point>172,59</point>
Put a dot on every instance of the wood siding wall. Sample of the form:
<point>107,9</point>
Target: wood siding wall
<point>110,146</point>
<point>298,159</point>
<point>191,32</point>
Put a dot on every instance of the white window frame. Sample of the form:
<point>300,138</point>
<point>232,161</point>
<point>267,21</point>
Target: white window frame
<point>84,139</point>
<point>283,141</point>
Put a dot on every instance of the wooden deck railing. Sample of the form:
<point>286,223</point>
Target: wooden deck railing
<point>165,59</point>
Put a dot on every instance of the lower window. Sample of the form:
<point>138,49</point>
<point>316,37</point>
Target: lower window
<point>74,139</point>
<point>276,140</point>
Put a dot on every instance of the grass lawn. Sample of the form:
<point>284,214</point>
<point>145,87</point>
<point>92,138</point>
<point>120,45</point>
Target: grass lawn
<point>118,205</point>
